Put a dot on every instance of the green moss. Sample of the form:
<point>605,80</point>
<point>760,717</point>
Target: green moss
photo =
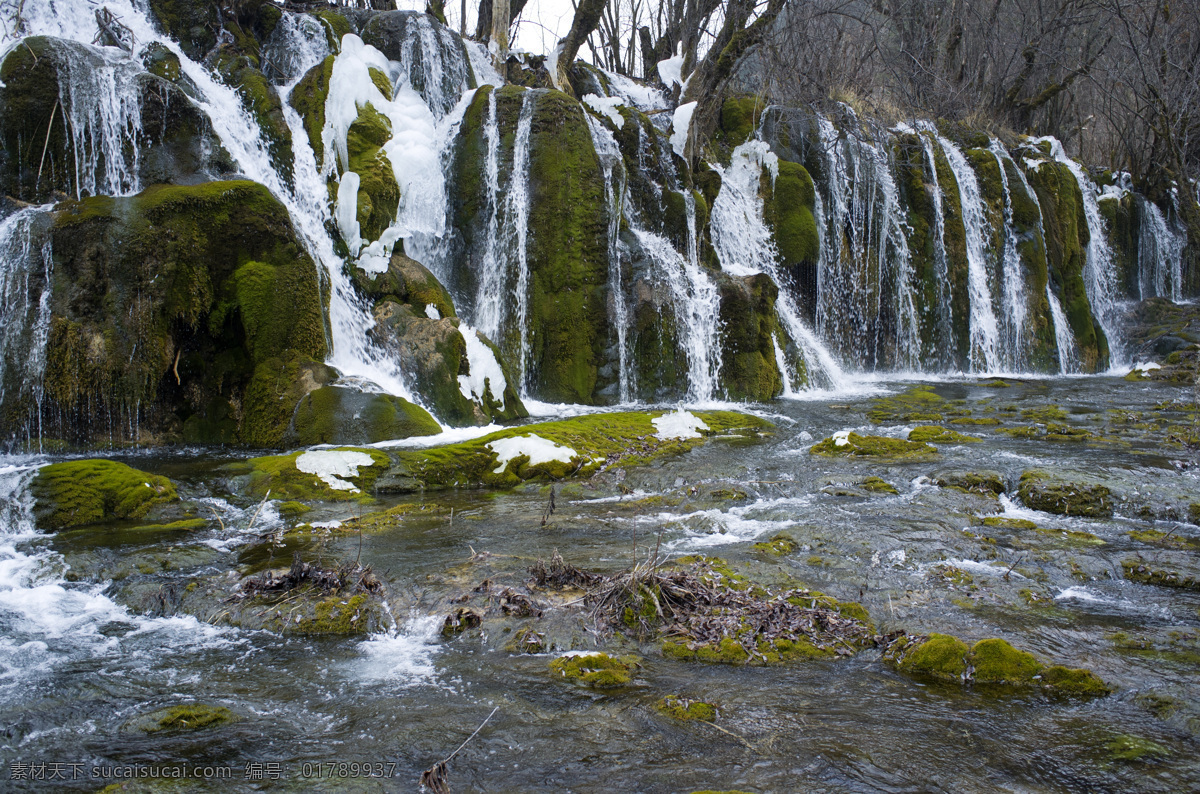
<point>79,492</point>
<point>597,670</point>
<point>996,661</point>
<point>975,420</point>
<point>308,99</point>
<point>340,415</point>
<point>334,615</point>
<point>857,446</point>
<point>987,483</point>
<point>747,314</point>
<point>739,118</point>
<point>598,439</point>
<point>790,213</point>
<point>378,192</point>
<point>1046,413</point>
<point>939,656</point>
<point>1073,681</point>
<point>292,509</point>
<point>933,434</point>
<point>279,475</point>
<point>183,525</point>
<point>727,651</point>
<point>1042,491</point>
<point>1134,748</point>
<point>919,403</point>
<point>778,545</point>
<point>1167,539</point>
<point>681,708</point>
<point>336,26</point>
<point>1138,571</point>
<point>878,485</point>
<point>192,24</point>
<point>190,717</point>
<point>1009,523</point>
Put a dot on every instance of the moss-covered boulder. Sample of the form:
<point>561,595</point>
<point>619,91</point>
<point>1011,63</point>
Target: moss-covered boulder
<point>344,415</point>
<point>38,157</point>
<point>789,211</point>
<point>194,25</point>
<point>576,447</point>
<point>935,434</point>
<point>991,661</point>
<point>77,492</point>
<point>181,314</point>
<point>986,483</point>
<point>917,404</point>
<point>847,444</point>
<point>308,99</point>
<point>239,64</point>
<point>684,709</point>
<point>339,474</point>
<point>749,331</point>
<point>187,717</point>
<point>596,670</point>
<point>406,281</point>
<point>1054,494</point>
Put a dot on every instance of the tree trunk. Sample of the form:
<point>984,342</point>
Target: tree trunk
<point>499,43</point>
<point>587,17</point>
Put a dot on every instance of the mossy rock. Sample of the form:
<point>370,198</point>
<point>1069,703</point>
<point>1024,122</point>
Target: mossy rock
<point>991,661</point>
<point>881,447</point>
<point>935,434</point>
<point>189,717</point>
<point>192,24</point>
<point>685,709</point>
<point>730,651</point>
<point>336,615</point>
<point>1166,539</point>
<point>194,306</point>
<point>986,483</point>
<point>1139,571</point>
<point>1134,748</point>
<point>918,404</point>
<point>279,475</point>
<point>749,329</point>
<point>778,545</point>
<point>378,191</point>
<point>596,670</point>
<point>343,415</point>
<point>975,420</point>
<point>878,485</point>
<point>1009,523</point>
<point>77,492</point>
<point>406,281</point>
<point>183,525</point>
<point>789,210</point>
<point>1048,493</point>
<point>598,441</point>
<point>308,99</point>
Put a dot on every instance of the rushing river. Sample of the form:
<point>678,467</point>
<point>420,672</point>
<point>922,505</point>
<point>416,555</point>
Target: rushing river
<point>90,642</point>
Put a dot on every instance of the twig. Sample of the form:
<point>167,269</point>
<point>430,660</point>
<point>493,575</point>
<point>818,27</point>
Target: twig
<point>256,512</point>
<point>434,778</point>
<point>741,739</point>
<point>46,145</point>
<point>1014,565</point>
<point>217,516</point>
<point>450,757</point>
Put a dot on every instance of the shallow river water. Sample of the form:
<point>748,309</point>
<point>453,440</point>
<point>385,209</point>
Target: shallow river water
<point>90,644</point>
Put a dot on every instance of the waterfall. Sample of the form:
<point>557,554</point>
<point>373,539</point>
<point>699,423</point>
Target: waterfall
<point>789,391</point>
<point>433,63</point>
<point>1160,254</point>
<point>297,43</point>
<point>745,247</point>
<point>1068,352</point>
<point>25,291</point>
<point>985,331</point>
<point>614,196</point>
<point>1015,341</point>
<point>941,264</point>
<point>1098,273</point>
<point>518,225</point>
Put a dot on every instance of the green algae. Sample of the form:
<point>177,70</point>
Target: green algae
<point>334,615</point>
<point>934,434</point>
<point>596,670</point>
<point>1052,494</point>
<point>190,717</point>
<point>778,545</point>
<point>1009,523</point>
<point>878,485</point>
<point>684,709</point>
<point>918,404</point>
<point>1134,748</point>
<point>73,493</point>
<point>857,446</point>
<point>985,483</point>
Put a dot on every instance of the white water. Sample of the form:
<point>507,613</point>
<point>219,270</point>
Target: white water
<point>745,247</point>
<point>296,44</point>
<point>1068,352</point>
<point>1099,277</point>
<point>945,320</point>
<point>25,291</point>
<point>1015,341</point>
<point>1160,254</point>
<point>985,330</point>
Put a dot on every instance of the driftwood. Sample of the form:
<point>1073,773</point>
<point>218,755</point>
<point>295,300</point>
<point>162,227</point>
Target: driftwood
<point>112,33</point>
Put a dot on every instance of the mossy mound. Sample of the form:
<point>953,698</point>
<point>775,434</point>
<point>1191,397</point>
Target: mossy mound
<point>778,545</point>
<point>597,670</point>
<point>1009,523</point>
<point>985,483</point>
<point>935,434</point>
<point>749,329</point>
<point>190,717</point>
<point>406,281</point>
<point>343,415</point>
<point>183,525</point>
<point>1051,494</point>
<point>80,492</point>
<point>598,441</point>
<point>856,446</point>
<point>730,651</point>
<point>334,615</point>
<point>684,709</point>
<point>1166,539</point>
<point>918,404</point>
<point>977,421</point>
<point>991,661</point>
<point>1139,571</point>
<point>279,475</point>
<point>1134,748</point>
<point>193,308</point>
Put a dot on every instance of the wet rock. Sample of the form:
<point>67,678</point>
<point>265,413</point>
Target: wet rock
<point>987,483</point>
<point>778,545</point>
<point>344,415</point>
<point>1053,494</point>
<point>1139,571</point>
<point>189,717</point>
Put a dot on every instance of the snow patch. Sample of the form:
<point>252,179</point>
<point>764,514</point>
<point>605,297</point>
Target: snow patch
<point>539,450</point>
<point>1146,366</point>
<point>606,106</point>
<point>670,71</point>
<point>681,122</point>
<point>841,438</point>
<point>484,369</point>
<point>679,424</point>
<point>432,312</point>
<point>332,465</point>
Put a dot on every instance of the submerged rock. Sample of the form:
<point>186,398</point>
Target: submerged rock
<point>190,717</point>
<point>1053,494</point>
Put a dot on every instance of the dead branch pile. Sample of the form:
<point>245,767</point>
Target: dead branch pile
<point>345,578</point>
<point>698,606</point>
<point>558,575</point>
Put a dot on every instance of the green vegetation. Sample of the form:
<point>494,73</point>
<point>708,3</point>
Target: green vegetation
<point>682,708</point>
<point>878,485</point>
<point>934,434</point>
<point>597,670</point>
<point>857,446</point>
<point>190,717</point>
<point>1052,494</point>
<point>918,404</point>
<point>279,475</point>
<point>986,483</point>
<point>80,492</point>
<point>778,545</point>
<point>1139,571</point>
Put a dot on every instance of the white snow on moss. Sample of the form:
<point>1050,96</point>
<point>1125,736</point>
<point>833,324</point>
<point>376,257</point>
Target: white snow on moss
<point>539,450</point>
<point>606,106</point>
<point>432,312</point>
<point>841,438</point>
<point>484,371</point>
<point>333,464</point>
<point>679,424</point>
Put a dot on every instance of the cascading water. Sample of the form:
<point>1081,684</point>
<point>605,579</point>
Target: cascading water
<point>297,43</point>
<point>985,330</point>
<point>614,196</point>
<point>1098,274</point>
<point>1015,340</point>
<point>744,247</point>
<point>941,263</point>
<point>1160,254</point>
<point>25,290</point>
